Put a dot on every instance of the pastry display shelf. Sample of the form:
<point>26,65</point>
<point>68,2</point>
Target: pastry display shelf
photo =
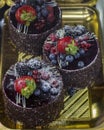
<point>86,107</point>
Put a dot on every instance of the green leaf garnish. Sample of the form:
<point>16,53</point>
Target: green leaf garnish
<point>29,89</point>
<point>71,48</point>
<point>27,17</point>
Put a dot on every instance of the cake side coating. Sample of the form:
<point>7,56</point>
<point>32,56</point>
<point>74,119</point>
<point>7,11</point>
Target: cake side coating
<point>32,43</point>
<point>90,69</point>
<point>84,77</point>
<point>35,116</point>
<point>38,115</point>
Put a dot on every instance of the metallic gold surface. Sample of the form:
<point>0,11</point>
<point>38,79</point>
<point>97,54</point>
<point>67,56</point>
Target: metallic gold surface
<point>2,3</point>
<point>85,109</point>
<point>67,3</point>
<point>8,2</point>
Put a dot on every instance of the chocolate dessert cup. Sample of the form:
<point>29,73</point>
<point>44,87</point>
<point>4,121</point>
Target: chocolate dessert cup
<point>91,73</point>
<point>32,42</point>
<point>31,116</point>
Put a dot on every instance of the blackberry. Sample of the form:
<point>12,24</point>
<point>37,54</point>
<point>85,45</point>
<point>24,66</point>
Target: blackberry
<point>22,69</point>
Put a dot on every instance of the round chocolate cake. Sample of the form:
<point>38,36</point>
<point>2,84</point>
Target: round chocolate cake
<point>76,53</point>
<point>30,22</point>
<point>33,93</point>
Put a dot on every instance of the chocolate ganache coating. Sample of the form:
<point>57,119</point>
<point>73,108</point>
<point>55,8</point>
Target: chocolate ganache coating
<point>39,111</point>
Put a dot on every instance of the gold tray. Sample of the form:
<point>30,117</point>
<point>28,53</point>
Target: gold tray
<point>86,107</point>
<point>67,3</point>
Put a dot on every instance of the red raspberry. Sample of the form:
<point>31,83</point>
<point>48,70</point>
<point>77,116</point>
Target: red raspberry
<point>51,18</point>
<point>36,75</point>
<point>54,50</point>
<point>53,37</point>
<point>50,9</point>
<point>47,46</point>
<point>45,75</point>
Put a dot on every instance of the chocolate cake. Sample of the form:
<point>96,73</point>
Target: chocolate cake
<point>76,53</point>
<point>33,93</point>
<point>30,22</point>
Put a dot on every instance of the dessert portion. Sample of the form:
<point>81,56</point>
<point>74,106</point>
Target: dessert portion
<point>75,51</point>
<point>30,22</point>
<point>33,93</point>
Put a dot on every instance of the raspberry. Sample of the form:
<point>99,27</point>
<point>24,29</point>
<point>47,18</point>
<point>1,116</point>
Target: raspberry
<point>45,75</point>
<point>22,69</point>
<point>47,46</point>
<point>51,18</point>
<point>36,75</point>
<point>54,50</point>
<point>53,37</point>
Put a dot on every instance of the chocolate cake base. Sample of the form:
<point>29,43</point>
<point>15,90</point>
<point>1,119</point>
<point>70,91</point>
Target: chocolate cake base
<point>31,43</point>
<point>32,117</point>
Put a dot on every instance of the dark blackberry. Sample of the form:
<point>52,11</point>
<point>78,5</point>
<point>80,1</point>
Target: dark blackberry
<point>22,69</point>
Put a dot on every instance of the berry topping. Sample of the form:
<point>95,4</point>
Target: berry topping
<point>38,8</point>
<point>25,14</point>
<point>54,50</point>
<point>51,18</point>
<point>54,61</point>
<point>70,45</point>
<point>50,10</point>
<point>44,12</point>
<point>54,91</point>
<point>62,56</point>
<point>72,91</point>
<point>47,46</point>
<point>40,2</point>
<point>85,45</point>
<point>77,55</point>
<point>45,75</point>
<point>52,56</point>
<point>40,24</point>
<point>22,69</point>
<point>69,58</point>
<point>33,90</point>
<point>67,45</point>
<point>52,37</point>
<point>25,86</point>
<point>82,51</point>
<point>45,86</point>
<point>36,75</point>
<point>34,64</point>
<point>37,92</point>
<point>81,64</point>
